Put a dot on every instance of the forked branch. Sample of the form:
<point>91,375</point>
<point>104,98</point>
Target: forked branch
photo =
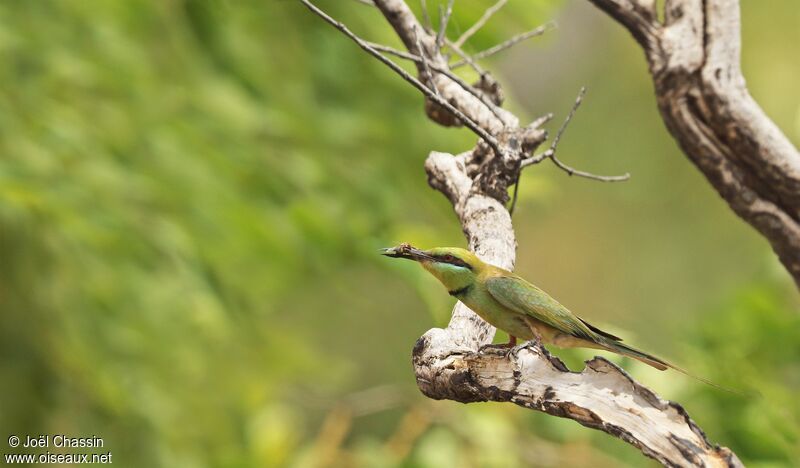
<point>480,23</point>
<point>694,59</point>
<point>447,362</point>
<point>507,44</point>
<point>428,92</point>
<point>551,152</point>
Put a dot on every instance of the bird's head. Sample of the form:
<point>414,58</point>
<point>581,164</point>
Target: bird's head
<point>454,267</point>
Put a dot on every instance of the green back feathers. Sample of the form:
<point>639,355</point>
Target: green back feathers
<point>524,298</point>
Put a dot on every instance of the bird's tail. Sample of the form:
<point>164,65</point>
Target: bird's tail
<point>660,364</point>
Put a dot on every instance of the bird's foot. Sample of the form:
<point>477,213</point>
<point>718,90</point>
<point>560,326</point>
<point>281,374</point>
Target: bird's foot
<point>536,342</point>
<point>495,347</point>
<point>506,348</point>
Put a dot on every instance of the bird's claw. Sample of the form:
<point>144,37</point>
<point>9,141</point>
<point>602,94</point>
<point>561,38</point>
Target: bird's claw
<point>504,347</point>
<point>534,345</point>
<point>514,350</point>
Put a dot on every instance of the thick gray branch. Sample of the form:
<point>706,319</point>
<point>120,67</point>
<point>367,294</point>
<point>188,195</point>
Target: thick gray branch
<point>694,59</point>
<point>447,363</point>
<point>602,397</point>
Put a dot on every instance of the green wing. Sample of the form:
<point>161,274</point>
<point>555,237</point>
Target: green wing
<point>524,298</point>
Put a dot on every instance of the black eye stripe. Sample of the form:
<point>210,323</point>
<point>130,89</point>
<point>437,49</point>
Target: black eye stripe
<point>447,258</point>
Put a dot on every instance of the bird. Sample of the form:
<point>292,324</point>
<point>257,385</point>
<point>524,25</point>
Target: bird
<point>519,308</point>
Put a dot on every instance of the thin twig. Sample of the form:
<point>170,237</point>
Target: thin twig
<point>444,18</point>
<point>468,122</point>
<point>527,162</point>
<point>480,23</point>
<point>516,191</point>
<point>425,66</point>
<point>464,85</point>
<point>465,57</point>
<point>575,106</point>
<point>426,18</point>
<point>399,53</point>
<point>572,171</point>
<point>366,2</point>
<point>506,44</point>
<point>541,120</point>
<point>535,159</point>
<point>551,152</point>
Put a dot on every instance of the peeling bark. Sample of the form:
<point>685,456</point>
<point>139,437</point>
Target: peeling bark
<point>448,363</point>
<point>694,59</point>
<point>449,366</point>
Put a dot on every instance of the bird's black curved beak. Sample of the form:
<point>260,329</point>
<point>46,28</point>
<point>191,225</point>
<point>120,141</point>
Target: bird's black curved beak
<point>405,251</point>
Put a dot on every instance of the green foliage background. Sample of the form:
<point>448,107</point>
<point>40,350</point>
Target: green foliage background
<point>192,193</point>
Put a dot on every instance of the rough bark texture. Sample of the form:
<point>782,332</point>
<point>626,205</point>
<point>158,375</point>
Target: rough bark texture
<point>694,58</point>
<point>449,363</point>
<point>449,366</point>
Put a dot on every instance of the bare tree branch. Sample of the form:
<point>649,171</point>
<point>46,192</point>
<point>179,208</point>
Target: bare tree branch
<point>570,116</point>
<point>694,60</point>
<point>424,62</point>
<point>447,362</point>
<point>448,365</point>
<point>444,18</point>
<point>480,23</point>
<point>507,44</point>
<point>588,175</point>
<point>403,21</point>
<point>465,57</point>
<point>414,58</point>
<point>551,152</point>
<point>434,96</point>
<point>426,18</point>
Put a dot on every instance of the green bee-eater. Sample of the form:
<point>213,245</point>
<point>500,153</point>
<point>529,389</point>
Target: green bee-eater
<point>516,306</point>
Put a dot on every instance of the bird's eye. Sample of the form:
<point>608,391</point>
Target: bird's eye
<point>448,258</point>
